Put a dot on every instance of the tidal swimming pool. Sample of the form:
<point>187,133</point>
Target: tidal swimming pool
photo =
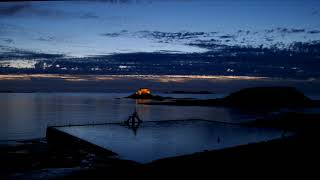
<point>163,139</point>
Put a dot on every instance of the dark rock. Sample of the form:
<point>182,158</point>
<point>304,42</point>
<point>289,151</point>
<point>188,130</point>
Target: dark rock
<point>268,97</point>
<point>253,98</point>
<point>145,96</point>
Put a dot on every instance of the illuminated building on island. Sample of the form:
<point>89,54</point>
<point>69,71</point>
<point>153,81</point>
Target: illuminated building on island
<point>143,91</point>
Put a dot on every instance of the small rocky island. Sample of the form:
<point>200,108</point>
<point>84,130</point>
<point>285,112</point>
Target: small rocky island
<point>144,93</point>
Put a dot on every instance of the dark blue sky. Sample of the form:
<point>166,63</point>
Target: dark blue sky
<point>177,37</point>
<point>100,27</point>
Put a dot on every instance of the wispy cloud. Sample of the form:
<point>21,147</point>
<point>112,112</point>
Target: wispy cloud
<point>314,32</point>
<point>228,36</point>
<point>13,9</point>
<point>27,9</point>
<point>47,38</point>
<point>116,34</point>
<point>89,16</point>
<point>269,39</point>
<point>8,40</point>
<point>170,36</point>
<point>232,61</point>
<point>297,31</point>
<point>218,40</point>
<point>285,30</point>
<point>7,52</point>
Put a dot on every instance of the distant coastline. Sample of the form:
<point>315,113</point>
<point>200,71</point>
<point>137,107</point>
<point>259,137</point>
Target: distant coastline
<point>47,83</point>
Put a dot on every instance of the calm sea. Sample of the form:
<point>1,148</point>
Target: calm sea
<point>27,115</point>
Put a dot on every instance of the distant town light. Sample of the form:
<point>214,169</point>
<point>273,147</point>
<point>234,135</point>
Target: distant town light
<point>143,91</point>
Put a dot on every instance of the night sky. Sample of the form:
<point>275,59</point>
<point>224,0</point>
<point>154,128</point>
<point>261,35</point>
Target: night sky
<point>81,31</point>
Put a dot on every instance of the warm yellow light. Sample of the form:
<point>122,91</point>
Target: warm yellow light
<point>143,91</point>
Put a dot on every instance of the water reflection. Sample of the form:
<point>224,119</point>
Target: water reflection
<point>141,108</point>
<point>26,116</point>
<point>133,122</point>
<point>163,139</point>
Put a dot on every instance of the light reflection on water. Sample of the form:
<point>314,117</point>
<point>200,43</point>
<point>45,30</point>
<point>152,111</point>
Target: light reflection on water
<point>156,140</point>
<point>27,115</point>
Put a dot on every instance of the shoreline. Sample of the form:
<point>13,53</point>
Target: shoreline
<point>84,164</point>
<point>41,158</point>
<point>38,157</point>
